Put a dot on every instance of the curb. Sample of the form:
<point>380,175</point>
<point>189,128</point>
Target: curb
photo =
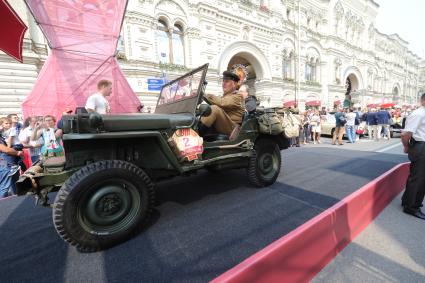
<point>302,253</point>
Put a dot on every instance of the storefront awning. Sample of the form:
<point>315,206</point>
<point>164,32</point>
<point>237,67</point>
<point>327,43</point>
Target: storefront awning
<point>313,103</point>
<point>289,103</point>
<point>387,105</point>
<point>372,105</point>
<point>289,100</point>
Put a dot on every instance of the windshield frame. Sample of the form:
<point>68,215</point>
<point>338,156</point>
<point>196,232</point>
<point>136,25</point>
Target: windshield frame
<point>187,104</point>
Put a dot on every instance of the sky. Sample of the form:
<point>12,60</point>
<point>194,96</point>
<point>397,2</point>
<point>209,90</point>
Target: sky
<point>407,19</point>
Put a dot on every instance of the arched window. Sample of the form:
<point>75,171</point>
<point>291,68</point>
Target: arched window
<point>164,42</point>
<point>178,45</point>
<point>311,70</point>
<point>287,66</point>
<point>307,71</point>
<point>316,70</point>
<point>170,43</point>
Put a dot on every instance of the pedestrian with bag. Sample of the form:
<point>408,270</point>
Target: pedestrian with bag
<point>339,131</point>
<point>306,127</point>
<point>350,125</point>
<point>316,128</point>
<point>9,169</point>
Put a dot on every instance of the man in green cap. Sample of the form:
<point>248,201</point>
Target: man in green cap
<point>226,111</point>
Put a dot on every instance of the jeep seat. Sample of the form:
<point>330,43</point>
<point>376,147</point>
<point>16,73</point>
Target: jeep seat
<point>215,137</point>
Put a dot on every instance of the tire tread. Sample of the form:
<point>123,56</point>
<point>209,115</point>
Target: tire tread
<point>66,189</point>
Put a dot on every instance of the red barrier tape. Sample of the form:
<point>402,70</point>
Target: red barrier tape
<point>302,253</point>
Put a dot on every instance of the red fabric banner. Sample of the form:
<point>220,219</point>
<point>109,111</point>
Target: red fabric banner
<point>12,31</point>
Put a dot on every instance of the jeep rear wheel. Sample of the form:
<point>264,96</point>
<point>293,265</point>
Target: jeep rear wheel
<point>264,165</point>
<point>103,204</point>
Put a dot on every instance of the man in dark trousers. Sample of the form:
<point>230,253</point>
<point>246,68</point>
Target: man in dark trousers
<point>413,139</point>
<point>339,127</point>
<point>9,171</point>
<point>383,119</point>
<point>372,124</point>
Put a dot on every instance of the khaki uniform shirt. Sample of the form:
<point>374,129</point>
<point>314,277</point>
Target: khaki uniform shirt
<point>233,104</point>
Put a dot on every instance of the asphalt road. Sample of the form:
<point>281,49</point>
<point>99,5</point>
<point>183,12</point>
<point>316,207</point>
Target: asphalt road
<point>203,224</point>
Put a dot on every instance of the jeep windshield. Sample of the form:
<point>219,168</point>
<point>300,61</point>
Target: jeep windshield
<point>182,95</point>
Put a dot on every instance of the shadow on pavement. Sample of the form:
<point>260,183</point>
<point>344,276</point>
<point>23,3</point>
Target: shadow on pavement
<point>30,249</point>
<point>198,238</point>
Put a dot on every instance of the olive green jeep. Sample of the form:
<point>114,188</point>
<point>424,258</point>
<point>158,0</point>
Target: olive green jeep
<point>106,181</point>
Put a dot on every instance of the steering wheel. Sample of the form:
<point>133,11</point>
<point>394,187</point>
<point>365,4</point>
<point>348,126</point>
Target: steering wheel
<point>204,85</point>
<point>206,100</point>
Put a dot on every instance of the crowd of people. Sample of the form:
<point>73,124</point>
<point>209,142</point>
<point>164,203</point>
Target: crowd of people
<point>375,122</point>
<point>24,144</point>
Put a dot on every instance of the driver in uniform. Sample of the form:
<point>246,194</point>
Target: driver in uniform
<point>226,111</point>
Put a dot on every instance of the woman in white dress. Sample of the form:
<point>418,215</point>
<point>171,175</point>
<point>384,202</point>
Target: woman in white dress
<point>316,128</point>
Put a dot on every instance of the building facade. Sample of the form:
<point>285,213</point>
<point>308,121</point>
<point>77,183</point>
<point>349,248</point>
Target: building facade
<point>307,52</point>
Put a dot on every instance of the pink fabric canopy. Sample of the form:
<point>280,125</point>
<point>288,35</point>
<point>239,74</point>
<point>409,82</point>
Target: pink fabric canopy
<point>82,35</point>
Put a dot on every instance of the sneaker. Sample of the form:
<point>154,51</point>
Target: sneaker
<point>314,142</point>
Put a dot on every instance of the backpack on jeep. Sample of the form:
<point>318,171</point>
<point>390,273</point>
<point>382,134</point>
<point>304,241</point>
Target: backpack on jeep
<point>270,123</point>
<point>291,125</point>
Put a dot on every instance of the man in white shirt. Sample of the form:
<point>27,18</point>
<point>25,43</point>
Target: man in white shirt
<point>25,139</point>
<point>413,139</point>
<point>14,131</point>
<point>350,129</point>
<point>97,102</point>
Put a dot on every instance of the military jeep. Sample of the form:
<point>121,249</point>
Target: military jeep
<point>105,184</point>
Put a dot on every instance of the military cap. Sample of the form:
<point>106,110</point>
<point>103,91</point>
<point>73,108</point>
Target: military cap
<point>228,75</point>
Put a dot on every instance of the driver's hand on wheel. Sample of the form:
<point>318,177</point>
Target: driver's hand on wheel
<point>206,98</point>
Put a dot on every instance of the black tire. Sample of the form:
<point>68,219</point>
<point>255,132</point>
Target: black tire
<point>103,204</point>
<point>264,166</point>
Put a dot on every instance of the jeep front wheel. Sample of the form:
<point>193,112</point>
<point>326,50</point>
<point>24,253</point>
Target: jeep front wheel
<point>103,204</point>
<point>264,165</point>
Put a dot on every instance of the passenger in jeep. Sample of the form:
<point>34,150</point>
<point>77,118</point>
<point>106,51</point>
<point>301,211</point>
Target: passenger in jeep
<point>226,111</point>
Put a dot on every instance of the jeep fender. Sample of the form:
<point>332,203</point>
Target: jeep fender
<point>280,140</point>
